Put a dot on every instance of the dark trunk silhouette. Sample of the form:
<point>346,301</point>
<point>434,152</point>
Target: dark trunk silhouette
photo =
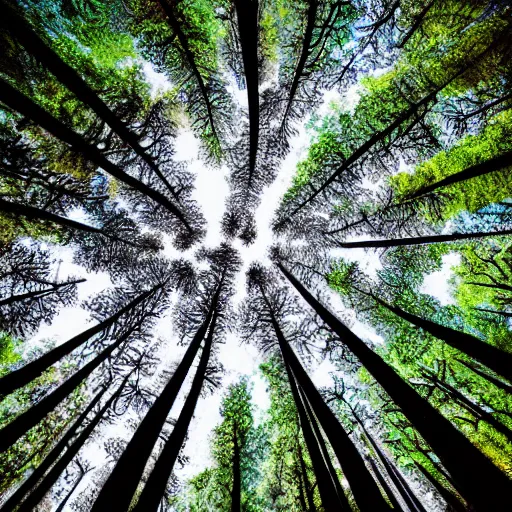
<point>418,240</point>
<point>247,16</point>
<point>308,488</point>
<point>493,380</point>
<point>418,20</point>
<point>506,314</point>
<point>31,371</point>
<point>30,483</point>
<point>116,495</point>
<point>26,107</point>
<point>448,496</point>
<point>22,31</point>
<point>63,503</point>
<point>388,491</point>
<point>53,475</point>
<point>236,490</point>
<point>33,213</point>
<point>154,488</point>
<point>38,294</point>
<point>343,501</point>
<point>182,38</point>
<point>25,421</point>
<point>492,357</point>
<point>494,164</point>
<point>485,489</point>
<point>363,486</point>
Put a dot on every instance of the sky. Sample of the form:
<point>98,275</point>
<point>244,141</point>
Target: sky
<point>211,189</point>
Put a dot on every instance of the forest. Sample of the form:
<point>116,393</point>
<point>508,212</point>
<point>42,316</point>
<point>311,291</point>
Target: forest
<point>255,256</point>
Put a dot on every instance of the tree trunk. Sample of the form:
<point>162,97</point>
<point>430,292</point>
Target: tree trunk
<point>15,100</point>
<point>492,357</point>
<point>22,31</point>
<point>388,491</point>
<point>247,16</point>
<point>36,294</point>
<point>484,489</point>
<point>307,484</point>
<point>116,495</point>
<point>418,240</point>
<point>31,371</point>
<point>156,484</point>
<point>492,165</point>
<point>62,504</point>
<point>30,483</point>
<point>25,421</point>
<point>29,505</point>
<point>236,502</point>
<point>493,380</point>
<point>362,484</point>
<point>33,213</point>
<point>416,25</point>
<point>450,498</point>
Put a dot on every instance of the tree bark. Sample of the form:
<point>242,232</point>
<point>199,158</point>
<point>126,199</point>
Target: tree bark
<point>116,495</point>
<point>419,240</point>
<point>416,25</point>
<point>29,505</point>
<point>154,489</point>
<point>31,371</point>
<point>484,489</point>
<point>16,25</point>
<point>493,380</point>
<point>36,294</point>
<point>25,421</point>
<point>385,486</point>
<point>26,107</point>
<point>30,483</point>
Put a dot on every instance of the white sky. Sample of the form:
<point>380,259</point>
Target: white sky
<point>211,190</point>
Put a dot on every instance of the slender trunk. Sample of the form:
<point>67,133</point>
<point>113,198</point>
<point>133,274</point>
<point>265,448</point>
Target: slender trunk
<point>30,483</point>
<point>506,314</point>
<point>416,25</point>
<point>117,492</point>
<point>236,502</point>
<point>60,508</point>
<point>386,132</point>
<point>34,213</point>
<point>344,504</point>
<point>450,498</point>
<point>388,491</point>
<point>492,357</point>
<point>493,380</point>
<point>308,36</point>
<point>418,240</point>
<point>492,165</point>
<point>31,371</point>
<point>29,505</point>
<point>16,25</point>
<point>182,38</point>
<point>328,493</point>
<point>36,294</point>
<point>25,421</point>
<point>483,489</point>
<point>307,483</point>
<point>247,15</point>
<point>363,486</point>
<point>26,107</point>
<point>154,489</point>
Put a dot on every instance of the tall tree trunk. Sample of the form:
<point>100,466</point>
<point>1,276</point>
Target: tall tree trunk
<point>307,484</point>
<point>26,107</point>
<point>34,369</point>
<point>328,493</point>
<point>116,495</point>
<point>25,421</point>
<point>388,491</point>
<point>419,240</point>
<point>16,25</point>
<point>405,490</point>
<point>418,20</point>
<point>236,502</point>
<point>247,16</point>
<point>33,213</point>
<point>492,357</point>
<point>493,380</point>
<point>344,504</point>
<point>156,484</point>
<point>363,486</point>
<point>484,489</point>
<point>450,498</point>
<point>37,294</point>
<point>29,505</point>
<point>30,483</point>
<point>492,165</point>
<point>63,503</point>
